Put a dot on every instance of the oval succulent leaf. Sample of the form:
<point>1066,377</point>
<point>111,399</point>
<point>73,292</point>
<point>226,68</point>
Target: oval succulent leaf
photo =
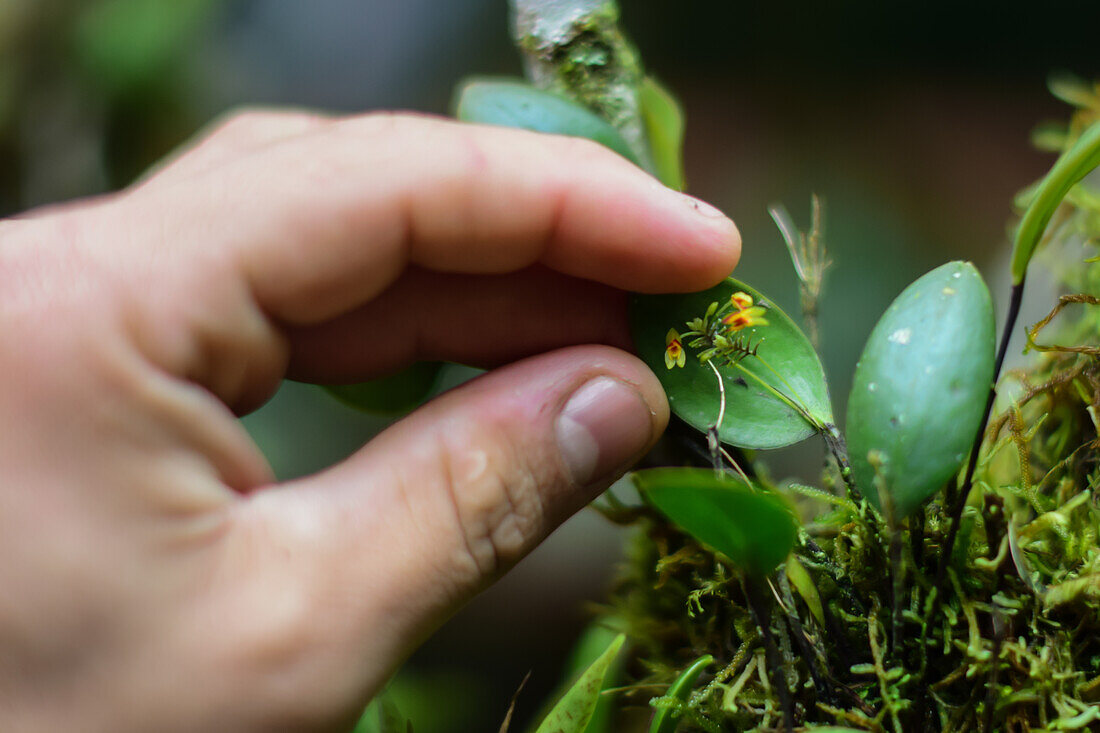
<point>754,528</point>
<point>773,398</point>
<point>516,104</point>
<point>920,388</point>
<point>575,709</point>
<point>393,395</point>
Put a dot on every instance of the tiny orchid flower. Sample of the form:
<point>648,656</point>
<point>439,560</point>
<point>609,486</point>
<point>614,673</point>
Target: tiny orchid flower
<point>741,300</point>
<point>674,350</point>
<point>746,318</point>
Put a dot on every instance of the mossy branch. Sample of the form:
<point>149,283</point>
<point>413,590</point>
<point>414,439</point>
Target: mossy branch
<point>576,48</point>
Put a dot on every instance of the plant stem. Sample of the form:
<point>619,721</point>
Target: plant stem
<point>916,537</point>
<point>897,572</point>
<point>834,441</point>
<point>758,608</point>
<point>714,442</point>
<point>809,654</point>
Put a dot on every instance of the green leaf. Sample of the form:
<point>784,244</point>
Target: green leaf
<point>773,399</point>
<point>1050,136</point>
<point>920,387</point>
<point>588,647</point>
<point>664,126</point>
<point>803,584</point>
<point>383,716</point>
<point>754,528</point>
<point>574,711</point>
<point>1071,167</point>
<point>516,104</point>
<point>597,637</point>
<point>668,716</point>
<point>392,395</point>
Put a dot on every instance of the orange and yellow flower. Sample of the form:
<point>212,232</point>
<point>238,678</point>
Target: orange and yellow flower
<point>674,350</point>
<point>746,318</point>
<point>741,300</point>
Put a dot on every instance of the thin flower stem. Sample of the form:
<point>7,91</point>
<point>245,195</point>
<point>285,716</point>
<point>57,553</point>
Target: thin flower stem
<point>714,441</point>
<point>721,396</point>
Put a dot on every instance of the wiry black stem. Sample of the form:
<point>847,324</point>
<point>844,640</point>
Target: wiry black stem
<point>897,572</point>
<point>972,464</point>
<point>758,609</point>
<point>809,655</point>
<point>834,441</point>
<point>916,537</point>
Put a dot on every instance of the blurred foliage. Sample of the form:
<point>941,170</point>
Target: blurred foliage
<point>126,45</point>
<point>91,93</point>
<point>442,702</point>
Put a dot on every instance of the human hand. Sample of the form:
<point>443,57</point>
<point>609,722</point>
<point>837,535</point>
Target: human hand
<point>154,575</point>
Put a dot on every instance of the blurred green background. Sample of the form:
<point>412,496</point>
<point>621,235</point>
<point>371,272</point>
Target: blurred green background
<point>911,119</point>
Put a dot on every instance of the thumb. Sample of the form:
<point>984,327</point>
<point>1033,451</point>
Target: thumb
<point>389,543</point>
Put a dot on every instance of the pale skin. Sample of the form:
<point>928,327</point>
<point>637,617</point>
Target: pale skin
<point>154,574</point>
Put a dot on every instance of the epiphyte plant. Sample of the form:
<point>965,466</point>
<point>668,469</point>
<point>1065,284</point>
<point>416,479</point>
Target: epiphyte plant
<point>946,576</point>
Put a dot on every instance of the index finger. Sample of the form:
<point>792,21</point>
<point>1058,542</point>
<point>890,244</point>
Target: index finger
<point>321,223</point>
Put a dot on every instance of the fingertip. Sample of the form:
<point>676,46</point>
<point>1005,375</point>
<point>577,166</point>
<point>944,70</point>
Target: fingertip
<point>714,243</point>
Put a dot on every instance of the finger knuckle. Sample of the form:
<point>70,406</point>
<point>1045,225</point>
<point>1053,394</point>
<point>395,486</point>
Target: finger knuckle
<point>496,499</point>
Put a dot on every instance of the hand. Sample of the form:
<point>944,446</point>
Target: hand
<point>154,576</point>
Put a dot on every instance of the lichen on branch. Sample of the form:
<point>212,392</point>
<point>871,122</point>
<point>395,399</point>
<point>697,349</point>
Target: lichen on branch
<point>576,48</point>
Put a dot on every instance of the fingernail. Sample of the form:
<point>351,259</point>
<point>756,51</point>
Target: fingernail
<point>703,208</point>
<point>605,424</point>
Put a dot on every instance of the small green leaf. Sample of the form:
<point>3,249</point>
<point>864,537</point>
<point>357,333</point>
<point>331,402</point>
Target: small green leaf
<point>574,711</point>
<point>773,399</point>
<point>920,387</point>
<point>1050,136</point>
<point>664,126</point>
<point>393,395</point>
<point>516,104</point>
<point>383,716</point>
<point>668,717</point>
<point>804,585</point>
<point>588,648</point>
<point>1076,163</point>
<point>754,528</point>
<point>1074,90</point>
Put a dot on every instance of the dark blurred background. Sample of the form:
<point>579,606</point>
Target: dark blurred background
<point>911,119</point>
